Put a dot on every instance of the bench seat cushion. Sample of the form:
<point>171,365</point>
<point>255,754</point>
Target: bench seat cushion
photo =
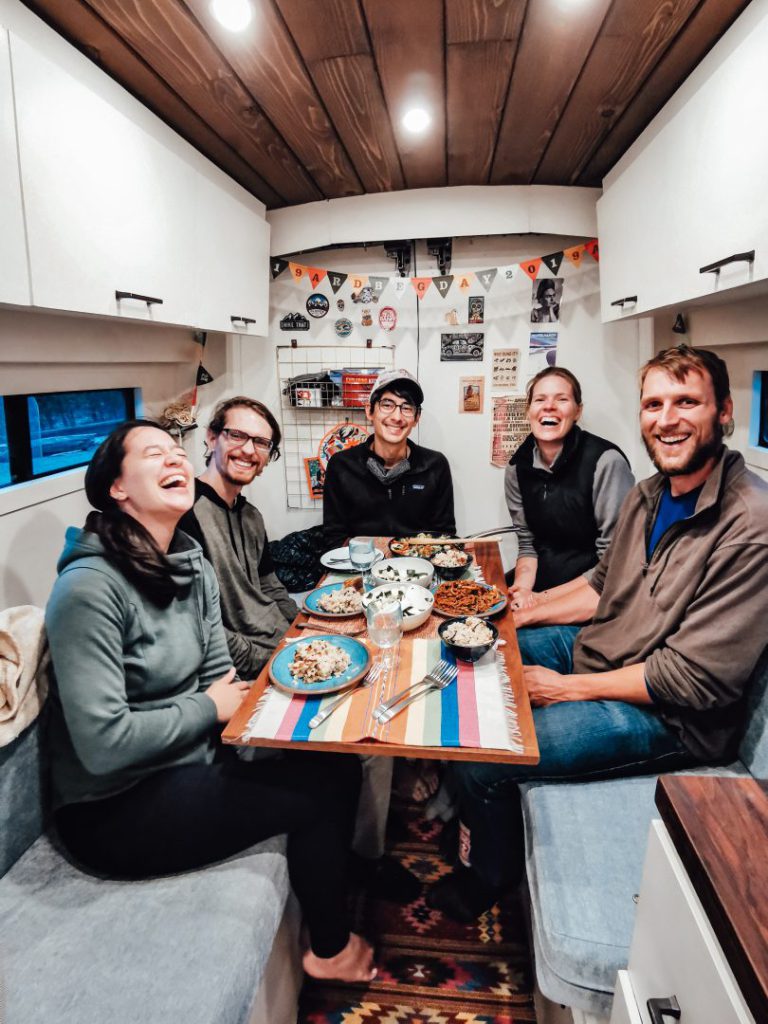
<point>190,947</point>
<point>585,848</point>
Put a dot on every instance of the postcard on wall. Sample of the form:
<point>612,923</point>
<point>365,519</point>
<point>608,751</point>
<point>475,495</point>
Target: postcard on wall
<point>464,347</point>
<point>542,351</point>
<point>505,368</point>
<point>471,394</point>
<point>509,428</point>
<point>545,300</point>
<point>476,309</point>
<point>313,467</point>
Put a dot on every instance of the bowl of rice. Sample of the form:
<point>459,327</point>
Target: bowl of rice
<point>452,563</point>
<point>468,637</point>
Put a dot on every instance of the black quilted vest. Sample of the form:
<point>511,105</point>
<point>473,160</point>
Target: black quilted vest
<point>558,506</point>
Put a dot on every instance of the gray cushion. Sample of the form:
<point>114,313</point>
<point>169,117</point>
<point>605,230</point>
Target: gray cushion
<point>754,747</point>
<point>190,947</point>
<point>21,805</point>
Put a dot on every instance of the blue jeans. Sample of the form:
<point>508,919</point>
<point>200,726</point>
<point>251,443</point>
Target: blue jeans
<point>578,740</point>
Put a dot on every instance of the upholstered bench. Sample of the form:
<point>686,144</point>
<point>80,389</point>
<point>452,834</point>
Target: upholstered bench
<point>215,946</point>
<point>585,846</point>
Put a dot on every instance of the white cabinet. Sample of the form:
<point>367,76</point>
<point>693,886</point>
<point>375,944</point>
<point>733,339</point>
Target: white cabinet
<point>14,277</point>
<point>691,191</point>
<point>231,263</point>
<point>674,949</point>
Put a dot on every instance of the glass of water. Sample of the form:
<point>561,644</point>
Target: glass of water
<point>385,626</point>
<point>361,554</point>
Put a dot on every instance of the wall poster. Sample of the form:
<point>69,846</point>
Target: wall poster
<point>471,394</point>
<point>464,347</point>
<point>542,351</point>
<point>313,467</point>
<point>509,428</point>
<point>505,366</point>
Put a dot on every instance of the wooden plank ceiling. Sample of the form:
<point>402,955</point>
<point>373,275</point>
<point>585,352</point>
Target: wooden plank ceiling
<point>307,102</point>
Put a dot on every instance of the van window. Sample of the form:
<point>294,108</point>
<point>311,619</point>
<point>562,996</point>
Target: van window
<point>5,462</point>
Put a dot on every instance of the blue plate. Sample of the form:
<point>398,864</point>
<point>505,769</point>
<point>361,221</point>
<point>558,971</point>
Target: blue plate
<point>359,663</point>
<point>312,603</point>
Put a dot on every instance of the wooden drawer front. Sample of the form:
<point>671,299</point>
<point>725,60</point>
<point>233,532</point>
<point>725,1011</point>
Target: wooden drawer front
<point>674,950</point>
<point>624,1009</point>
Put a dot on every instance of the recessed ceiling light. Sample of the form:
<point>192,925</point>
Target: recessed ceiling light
<point>232,14</point>
<point>416,120</point>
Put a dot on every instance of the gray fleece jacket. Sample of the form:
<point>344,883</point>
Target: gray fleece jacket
<point>128,696</point>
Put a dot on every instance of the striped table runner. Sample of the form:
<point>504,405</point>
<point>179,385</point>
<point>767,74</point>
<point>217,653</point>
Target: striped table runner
<point>478,710</point>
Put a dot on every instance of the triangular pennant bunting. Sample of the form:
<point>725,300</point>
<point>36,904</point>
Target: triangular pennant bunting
<point>443,284</point>
<point>574,254</point>
<point>553,261</point>
<point>297,271</point>
<point>487,277</point>
<point>400,287</point>
<point>508,273</point>
<point>315,275</point>
<point>464,281</point>
<point>278,266</point>
<point>421,284</point>
<point>593,249</point>
<point>357,281</point>
<point>531,267</point>
<point>378,284</point>
<point>336,279</point>
<point>203,377</point>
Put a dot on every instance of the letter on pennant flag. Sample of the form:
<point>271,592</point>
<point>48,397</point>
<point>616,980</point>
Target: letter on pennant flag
<point>297,271</point>
<point>378,284</point>
<point>358,281</point>
<point>421,284</point>
<point>553,261</point>
<point>443,284</point>
<point>509,273</point>
<point>336,279</point>
<point>278,266</point>
<point>315,275</point>
<point>531,267</point>
<point>593,249</point>
<point>400,287</point>
<point>574,254</point>
<point>203,377</point>
<point>464,281</point>
<point>486,277</point>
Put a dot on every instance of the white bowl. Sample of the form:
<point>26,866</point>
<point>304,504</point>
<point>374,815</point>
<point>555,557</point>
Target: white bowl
<point>411,596</point>
<point>404,570</point>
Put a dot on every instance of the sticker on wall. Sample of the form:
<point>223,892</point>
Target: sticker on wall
<point>545,300</point>
<point>452,318</point>
<point>340,305</point>
<point>387,318</point>
<point>339,438</point>
<point>343,327</point>
<point>367,319</point>
<point>365,295</point>
<point>471,394</point>
<point>505,368</point>
<point>294,322</point>
<point>463,347</point>
<point>315,472</point>
<point>542,351</point>
<point>318,305</point>
<point>476,309</point>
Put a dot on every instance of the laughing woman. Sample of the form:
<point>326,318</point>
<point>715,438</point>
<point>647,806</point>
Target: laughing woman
<point>564,488</point>
<point>143,679</point>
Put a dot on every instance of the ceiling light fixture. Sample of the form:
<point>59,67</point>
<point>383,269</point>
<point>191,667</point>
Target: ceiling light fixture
<point>416,120</point>
<point>234,15</point>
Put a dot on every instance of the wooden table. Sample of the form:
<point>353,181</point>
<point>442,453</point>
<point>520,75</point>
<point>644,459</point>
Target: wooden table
<point>719,827</point>
<point>488,558</point>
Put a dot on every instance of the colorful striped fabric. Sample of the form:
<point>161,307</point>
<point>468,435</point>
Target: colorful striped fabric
<point>477,710</point>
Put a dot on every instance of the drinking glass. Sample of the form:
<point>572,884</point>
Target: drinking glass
<point>361,554</point>
<point>385,626</point>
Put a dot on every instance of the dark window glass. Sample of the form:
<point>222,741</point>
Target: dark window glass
<point>762,439</point>
<point>66,428</point>
<point>5,462</point>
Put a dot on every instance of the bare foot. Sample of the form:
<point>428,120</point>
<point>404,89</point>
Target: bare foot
<point>353,963</point>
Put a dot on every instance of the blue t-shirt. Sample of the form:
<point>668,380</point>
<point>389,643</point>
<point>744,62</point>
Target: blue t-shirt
<point>671,510</point>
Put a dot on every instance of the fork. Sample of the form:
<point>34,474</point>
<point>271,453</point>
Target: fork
<point>444,681</point>
<point>439,676</point>
<point>371,677</point>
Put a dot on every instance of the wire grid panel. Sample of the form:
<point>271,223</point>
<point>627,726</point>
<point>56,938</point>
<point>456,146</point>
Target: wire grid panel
<point>312,406</point>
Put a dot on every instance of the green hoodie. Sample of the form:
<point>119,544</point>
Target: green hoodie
<point>129,692</point>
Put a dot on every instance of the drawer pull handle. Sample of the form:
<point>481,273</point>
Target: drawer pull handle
<point>626,301</point>
<point>738,257</point>
<point>661,1008</point>
<point>242,320</point>
<point>141,298</point>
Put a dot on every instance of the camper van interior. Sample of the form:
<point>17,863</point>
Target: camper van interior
<point>425,682</point>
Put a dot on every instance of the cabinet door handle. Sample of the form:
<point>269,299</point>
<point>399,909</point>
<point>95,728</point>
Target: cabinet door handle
<point>626,301</point>
<point>242,320</point>
<point>140,298</point>
<point>738,257</point>
<point>661,1008</point>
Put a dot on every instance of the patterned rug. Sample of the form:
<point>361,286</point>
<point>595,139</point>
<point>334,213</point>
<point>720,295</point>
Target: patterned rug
<point>431,970</point>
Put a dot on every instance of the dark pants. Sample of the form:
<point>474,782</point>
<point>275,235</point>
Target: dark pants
<point>185,817</point>
<point>578,740</point>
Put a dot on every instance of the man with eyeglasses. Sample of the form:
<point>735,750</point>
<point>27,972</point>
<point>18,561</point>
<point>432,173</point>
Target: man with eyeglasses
<point>243,437</point>
<point>388,486</point>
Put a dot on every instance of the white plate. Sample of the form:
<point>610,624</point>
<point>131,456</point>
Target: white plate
<point>337,560</point>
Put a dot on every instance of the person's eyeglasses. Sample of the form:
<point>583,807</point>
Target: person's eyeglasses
<point>388,406</point>
<point>240,438</point>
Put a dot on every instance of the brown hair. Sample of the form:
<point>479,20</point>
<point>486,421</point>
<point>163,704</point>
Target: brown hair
<point>681,360</point>
<point>219,419</point>
<point>554,371</point>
